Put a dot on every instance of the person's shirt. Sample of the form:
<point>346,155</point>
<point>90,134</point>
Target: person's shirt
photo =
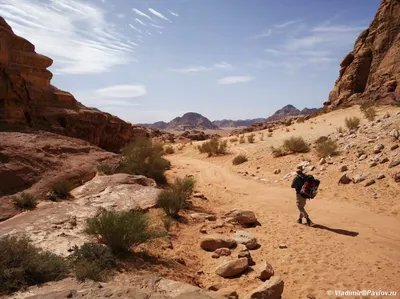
<point>298,182</point>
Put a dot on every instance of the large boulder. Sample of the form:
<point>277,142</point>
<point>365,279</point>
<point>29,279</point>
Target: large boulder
<point>271,289</point>
<point>246,238</point>
<point>244,217</point>
<point>232,268</point>
<point>215,241</point>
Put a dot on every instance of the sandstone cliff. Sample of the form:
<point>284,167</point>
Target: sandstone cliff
<point>27,99</point>
<point>371,72</point>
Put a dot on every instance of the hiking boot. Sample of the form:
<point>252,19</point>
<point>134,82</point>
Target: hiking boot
<point>300,220</point>
<point>309,222</point>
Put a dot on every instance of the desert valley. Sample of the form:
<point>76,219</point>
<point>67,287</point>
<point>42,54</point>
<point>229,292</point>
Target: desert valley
<point>92,206</point>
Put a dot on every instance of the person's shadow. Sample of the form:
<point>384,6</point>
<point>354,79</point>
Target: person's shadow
<point>337,230</point>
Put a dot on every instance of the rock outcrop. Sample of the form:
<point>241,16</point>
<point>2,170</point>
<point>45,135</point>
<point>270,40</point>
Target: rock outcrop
<point>371,71</point>
<point>28,100</point>
<point>188,121</point>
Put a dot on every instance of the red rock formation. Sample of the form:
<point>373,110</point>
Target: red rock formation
<point>371,72</point>
<point>27,99</point>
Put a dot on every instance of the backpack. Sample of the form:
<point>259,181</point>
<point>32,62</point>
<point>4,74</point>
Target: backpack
<point>310,187</point>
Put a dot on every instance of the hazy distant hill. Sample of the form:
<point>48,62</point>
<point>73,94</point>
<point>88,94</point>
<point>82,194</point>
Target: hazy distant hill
<point>228,123</point>
<point>188,121</point>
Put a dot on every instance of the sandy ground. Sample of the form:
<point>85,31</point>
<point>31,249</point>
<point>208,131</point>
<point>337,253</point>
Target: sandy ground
<point>354,246</point>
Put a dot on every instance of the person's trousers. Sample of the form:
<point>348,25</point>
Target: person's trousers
<point>301,203</point>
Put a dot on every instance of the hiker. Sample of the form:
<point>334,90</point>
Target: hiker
<point>297,184</point>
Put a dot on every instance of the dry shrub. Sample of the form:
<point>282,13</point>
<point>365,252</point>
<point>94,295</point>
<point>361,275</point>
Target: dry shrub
<point>370,113</point>
<point>25,201</point>
<point>251,138</point>
<point>326,148</point>
<point>214,147</point>
<point>239,159</point>
<point>296,145</point>
<point>352,123</point>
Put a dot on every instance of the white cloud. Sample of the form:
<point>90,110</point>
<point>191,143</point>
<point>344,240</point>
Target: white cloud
<point>173,13</point>
<point>201,68</point>
<point>264,34</point>
<point>158,14</point>
<point>337,29</point>
<point>235,80</point>
<point>273,51</point>
<point>122,91</point>
<point>142,14</point>
<point>74,34</point>
<point>156,26</point>
<point>140,22</point>
<point>286,24</point>
<point>120,16</point>
<point>134,28</point>
<point>148,32</point>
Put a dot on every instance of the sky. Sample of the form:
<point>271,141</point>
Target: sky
<point>153,60</point>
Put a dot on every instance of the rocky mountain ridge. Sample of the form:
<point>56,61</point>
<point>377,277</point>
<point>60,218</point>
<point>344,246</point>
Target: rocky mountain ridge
<point>28,100</point>
<point>371,71</point>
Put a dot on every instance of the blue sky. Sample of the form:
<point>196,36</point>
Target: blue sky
<point>153,60</point>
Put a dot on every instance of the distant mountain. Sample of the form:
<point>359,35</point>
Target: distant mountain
<point>290,110</point>
<point>189,121</point>
<point>228,123</point>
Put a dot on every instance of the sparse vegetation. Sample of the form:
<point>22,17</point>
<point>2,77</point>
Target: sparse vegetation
<point>168,222</point>
<point>120,230</point>
<point>25,201</point>
<point>251,138</point>
<point>296,145</point>
<point>262,137</point>
<point>370,113</point>
<point>340,130</point>
<point>233,139</point>
<point>144,157</point>
<point>214,147</point>
<point>106,168</point>
<point>22,265</point>
<point>169,150</point>
<point>287,130</point>
<point>93,261</point>
<point>62,188</point>
<point>326,148</point>
<point>270,134</point>
<point>177,197</point>
<point>241,139</point>
<point>277,152</point>
<point>239,159</point>
<point>352,123</point>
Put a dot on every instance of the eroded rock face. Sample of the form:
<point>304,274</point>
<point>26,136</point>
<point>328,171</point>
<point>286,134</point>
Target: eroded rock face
<point>371,72</point>
<point>27,99</point>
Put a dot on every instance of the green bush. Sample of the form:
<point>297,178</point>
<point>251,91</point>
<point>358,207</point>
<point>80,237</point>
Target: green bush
<point>296,145</point>
<point>233,139</point>
<point>270,134</point>
<point>262,137</point>
<point>25,201</point>
<point>169,150</point>
<point>241,139</point>
<point>214,147</point>
<point>93,261</point>
<point>22,265</point>
<point>120,231</point>
<point>177,197</point>
<point>144,157</point>
<point>62,188</point>
<point>326,148</point>
<point>239,159</point>
<point>251,138</point>
<point>370,113</point>
<point>352,123</point>
<point>105,168</point>
<point>168,222</point>
<point>171,202</point>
